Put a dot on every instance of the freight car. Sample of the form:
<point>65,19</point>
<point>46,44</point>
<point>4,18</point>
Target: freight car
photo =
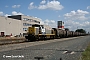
<point>37,32</point>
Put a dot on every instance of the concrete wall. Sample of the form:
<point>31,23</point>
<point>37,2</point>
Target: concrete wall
<point>10,26</point>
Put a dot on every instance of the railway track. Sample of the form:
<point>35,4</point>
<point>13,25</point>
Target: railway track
<point>17,41</point>
<point>11,41</point>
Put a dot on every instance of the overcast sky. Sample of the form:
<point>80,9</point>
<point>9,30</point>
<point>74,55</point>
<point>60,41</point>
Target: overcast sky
<point>74,13</point>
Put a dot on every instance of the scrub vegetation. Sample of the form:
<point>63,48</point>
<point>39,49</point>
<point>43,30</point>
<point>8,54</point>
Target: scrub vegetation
<point>86,53</point>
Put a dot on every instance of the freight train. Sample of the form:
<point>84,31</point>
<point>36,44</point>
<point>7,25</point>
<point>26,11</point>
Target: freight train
<point>37,32</point>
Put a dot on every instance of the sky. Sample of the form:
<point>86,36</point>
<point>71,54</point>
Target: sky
<point>74,13</point>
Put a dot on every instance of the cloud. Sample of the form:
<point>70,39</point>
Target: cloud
<point>17,13</point>
<point>76,15</point>
<point>1,13</point>
<point>43,2</point>
<point>88,7</point>
<point>51,23</point>
<point>53,5</point>
<point>31,6</point>
<point>6,15</point>
<point>47,21</point>
<point>16,6</point>
<point>86,24</point>
<point>72,25</point>
<point>13,13</point>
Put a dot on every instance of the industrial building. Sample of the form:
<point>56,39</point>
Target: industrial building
<point>16,24</point>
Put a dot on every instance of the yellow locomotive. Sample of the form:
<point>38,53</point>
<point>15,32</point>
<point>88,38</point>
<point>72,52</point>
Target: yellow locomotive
<point>37,32</point>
